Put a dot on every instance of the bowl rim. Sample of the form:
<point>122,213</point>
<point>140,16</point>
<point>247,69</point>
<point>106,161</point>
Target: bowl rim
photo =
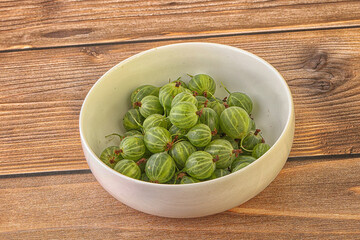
<point>164,185</point>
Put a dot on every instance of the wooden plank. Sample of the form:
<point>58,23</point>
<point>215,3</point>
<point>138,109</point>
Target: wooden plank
<point>312,199</point>
<point>33,24</point>
<point>41,93</point>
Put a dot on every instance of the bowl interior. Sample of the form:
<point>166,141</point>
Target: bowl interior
<point>238,70</point>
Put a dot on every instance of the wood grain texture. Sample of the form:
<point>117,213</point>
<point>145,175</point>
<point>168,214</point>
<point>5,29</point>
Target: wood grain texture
<point>41,92</point>
<point>29,23</point>
<point>312,199</point>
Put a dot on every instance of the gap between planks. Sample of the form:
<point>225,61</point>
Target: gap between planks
<point>199,36</point>
<point>87,171</point>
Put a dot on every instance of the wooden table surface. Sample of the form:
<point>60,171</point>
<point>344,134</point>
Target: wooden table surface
<point>52,52</point>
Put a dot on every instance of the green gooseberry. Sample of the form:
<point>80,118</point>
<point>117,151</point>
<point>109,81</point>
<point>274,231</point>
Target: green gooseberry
<point>128,168</point>
<point>173,180</point>
<point>187,179</point>
<point>202,102</point>
<point>251,140</point>
<point>223,151</point>
<point>241,162</point>
<point>160,167</point>
<point>200,165</point>
<point>133,133</point>
<point>133,120</point>
<point>111,156</point>
<point>132,148</point>
<point>240,100</point>
<point>260,149</point>
<point>175,131</point>
<point>144,177</point>
<point>133,94</point>
<point>210,118</point>
<point>233,142</point>
<point>168,92</point>
<point>218,106</point>
<point>180,152</point>
<point>184,97</point>
<point>150,105</point>
<point>235,122</point>
<point>202,84</point>
<point>220,172</point>
<point>155,120</point>
<point>157,139</point>
<point>181,82</point>
<point>142,92</point>
<point>199,135</point>
<point>184,115</point>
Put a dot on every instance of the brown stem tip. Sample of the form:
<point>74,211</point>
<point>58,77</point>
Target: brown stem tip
<point>225,98</point>
<point>205,94</point>
<point>181,175</point>
<point>216,158</point>
<point>112,160</point>
<point>117,152</point>
<point>199,113</point>
<point>257,131</point>
<point>206,103</point>
<point>137,104</point>
<point>237,152</point>
<point>226,105</point>
<point>213,133</point>
<point>142,160</point>
<point>195,93</point>
<point>178,84</point>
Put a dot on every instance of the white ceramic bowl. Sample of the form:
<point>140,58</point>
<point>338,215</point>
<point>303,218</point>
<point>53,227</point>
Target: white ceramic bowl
<point>109,99</point>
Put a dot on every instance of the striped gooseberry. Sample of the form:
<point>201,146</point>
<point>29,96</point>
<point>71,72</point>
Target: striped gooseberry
<point>132,148</point>
<point>158,139</point>
<point>160,167</point>
<point>150,105</point>
<point>200,165</point>
<point>260,149</point>
<point>199,135</point>
<point>235,122</point>
<point>241,162</point>
<point>128,168</point>
<point>155,120</point>
<point>180,152</point>
<point>142,92</point>
<point>168,92</point>
<point>184,115</point>
<point>133,120</point>
<point>220,172</point>
<point>202,84</point>
<point>223,151</point>
<point>111,156</point>
<point>184,97</point>
<point>210,118</point>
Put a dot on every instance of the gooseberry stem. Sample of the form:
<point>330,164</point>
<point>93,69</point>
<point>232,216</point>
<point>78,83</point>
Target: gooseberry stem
<point>241,146</point>
<point>225,88</point>
<point>115,134</point>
